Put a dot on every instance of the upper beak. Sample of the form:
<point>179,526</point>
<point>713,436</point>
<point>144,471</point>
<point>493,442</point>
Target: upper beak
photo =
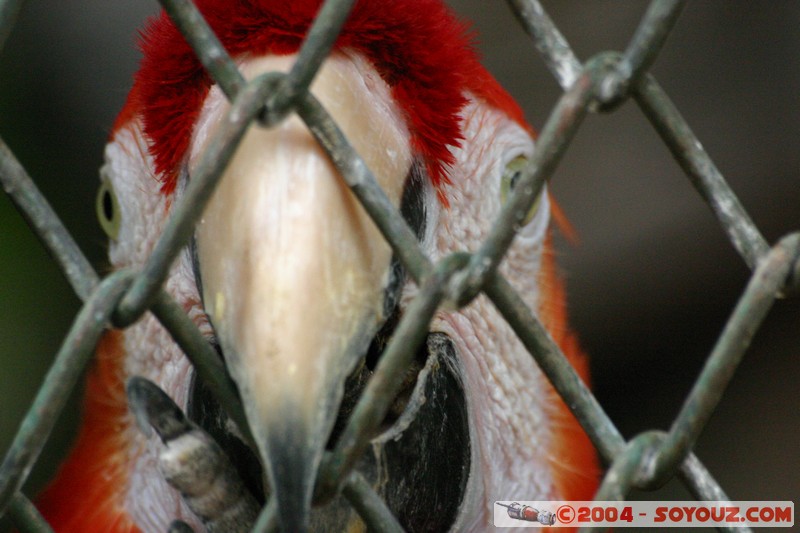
<point>294,272</point>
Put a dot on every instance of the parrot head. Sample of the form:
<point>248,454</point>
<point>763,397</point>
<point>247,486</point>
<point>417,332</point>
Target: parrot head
<point>291,282</point>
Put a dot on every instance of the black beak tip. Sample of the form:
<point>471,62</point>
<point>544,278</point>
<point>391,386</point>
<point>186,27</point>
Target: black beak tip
<point>293,466</point>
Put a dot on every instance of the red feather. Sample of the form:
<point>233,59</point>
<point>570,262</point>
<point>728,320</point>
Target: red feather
<point>88,495</point>
<point>419,47</point>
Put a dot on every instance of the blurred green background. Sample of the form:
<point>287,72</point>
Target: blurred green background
<point>651,283</point>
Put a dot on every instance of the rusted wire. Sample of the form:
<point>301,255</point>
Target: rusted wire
<point>607,79</point>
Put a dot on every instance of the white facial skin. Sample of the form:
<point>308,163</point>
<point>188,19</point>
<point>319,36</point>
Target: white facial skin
<point>503,385</point>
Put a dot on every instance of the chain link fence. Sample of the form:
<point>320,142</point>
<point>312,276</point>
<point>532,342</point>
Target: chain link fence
<point>598,85</point>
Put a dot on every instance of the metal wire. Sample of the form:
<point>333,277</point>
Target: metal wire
<point>600,84</point>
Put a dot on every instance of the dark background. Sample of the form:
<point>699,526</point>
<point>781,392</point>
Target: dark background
<point>651,282</point>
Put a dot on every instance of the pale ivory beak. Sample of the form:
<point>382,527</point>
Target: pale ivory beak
<point>293,271</point>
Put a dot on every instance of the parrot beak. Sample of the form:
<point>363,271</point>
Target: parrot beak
<point>293,272</point>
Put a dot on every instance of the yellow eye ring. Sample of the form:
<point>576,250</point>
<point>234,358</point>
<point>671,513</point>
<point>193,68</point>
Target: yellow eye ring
<point>107,208</point>
<point>508,181</point>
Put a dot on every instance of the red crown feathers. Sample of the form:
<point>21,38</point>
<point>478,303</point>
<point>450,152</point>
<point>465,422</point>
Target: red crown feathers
<point>419,48</point>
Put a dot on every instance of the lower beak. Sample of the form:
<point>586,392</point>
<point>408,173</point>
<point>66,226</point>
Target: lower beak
<point>293,275</point>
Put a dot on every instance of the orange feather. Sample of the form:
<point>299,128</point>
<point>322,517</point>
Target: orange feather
<point>573,457</point>
<point>88,493</point>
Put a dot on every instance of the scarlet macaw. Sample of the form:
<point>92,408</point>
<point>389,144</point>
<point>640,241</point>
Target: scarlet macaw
<point>289,279</point>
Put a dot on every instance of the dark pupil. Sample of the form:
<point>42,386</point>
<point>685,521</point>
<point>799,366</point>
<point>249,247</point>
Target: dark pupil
<point>514,179</point>
<point>108,205</point>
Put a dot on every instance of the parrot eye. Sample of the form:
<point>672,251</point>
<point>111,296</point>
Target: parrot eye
<point>107,208</point>
<point>511,176</point>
